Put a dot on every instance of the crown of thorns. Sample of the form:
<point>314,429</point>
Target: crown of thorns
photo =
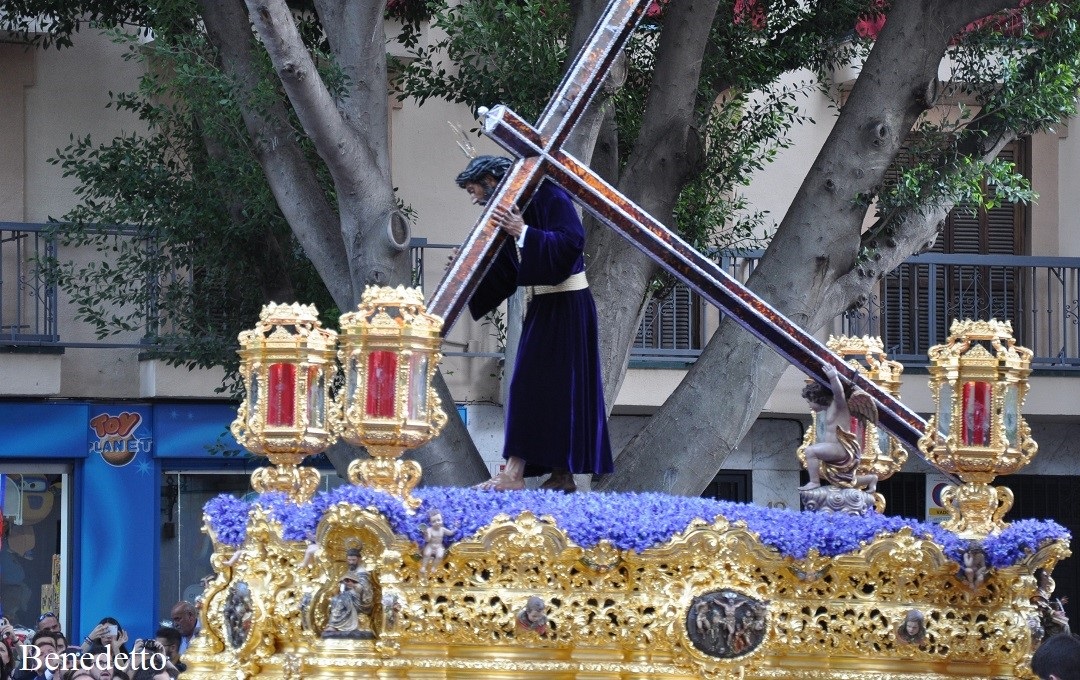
<point>496,166</point>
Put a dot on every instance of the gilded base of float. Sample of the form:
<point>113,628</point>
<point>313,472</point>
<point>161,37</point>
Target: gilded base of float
<point>611,613</point>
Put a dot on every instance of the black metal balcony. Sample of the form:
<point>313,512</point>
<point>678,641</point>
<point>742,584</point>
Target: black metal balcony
<point>913,306</point>
<point>27,302</point>
<point>910,309</point>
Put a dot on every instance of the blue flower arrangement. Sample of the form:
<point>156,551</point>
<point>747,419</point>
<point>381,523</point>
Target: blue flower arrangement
<point>630,521</point>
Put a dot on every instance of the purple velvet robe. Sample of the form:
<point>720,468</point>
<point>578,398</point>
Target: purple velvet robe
<point>555,413</point>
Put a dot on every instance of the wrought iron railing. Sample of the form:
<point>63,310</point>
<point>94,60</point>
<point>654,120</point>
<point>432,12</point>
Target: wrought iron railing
<point>913,306</point>
<point>910,309</point>
<point>27,302</point>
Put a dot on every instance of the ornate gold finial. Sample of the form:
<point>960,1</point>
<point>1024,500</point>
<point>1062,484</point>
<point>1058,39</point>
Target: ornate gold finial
<point>978,378</point>
<point>390,351</point>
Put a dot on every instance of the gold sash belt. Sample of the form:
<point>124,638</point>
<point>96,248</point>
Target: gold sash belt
<point>572,282</point>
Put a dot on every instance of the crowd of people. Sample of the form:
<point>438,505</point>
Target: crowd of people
<point>106,653</point>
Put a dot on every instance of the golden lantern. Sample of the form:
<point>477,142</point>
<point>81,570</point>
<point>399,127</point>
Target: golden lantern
<point>882,454</point>
<point>389,352</point>
<point>287,362</point>
<point>978,379</point>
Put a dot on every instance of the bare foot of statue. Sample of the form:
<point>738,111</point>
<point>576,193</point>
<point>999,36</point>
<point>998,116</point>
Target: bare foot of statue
<point>810,486</point>
<point>511,478</point>
<point>501,482</point>
<point>560,480</point>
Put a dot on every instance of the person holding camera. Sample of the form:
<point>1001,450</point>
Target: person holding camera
<point>107,635</point>
<point>169,639</point>
<point>149,658</point>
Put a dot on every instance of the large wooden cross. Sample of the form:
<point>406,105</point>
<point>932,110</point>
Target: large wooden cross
<point>540,154</point>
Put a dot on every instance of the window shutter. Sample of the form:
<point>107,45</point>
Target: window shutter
<point>672,321</point>
<point>914,317</point>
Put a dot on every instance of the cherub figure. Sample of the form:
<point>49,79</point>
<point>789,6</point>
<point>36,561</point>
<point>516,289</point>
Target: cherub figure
<point>974,569</point>
<point>837,453</point>
<point>533,617</point>
<point>434,534</point>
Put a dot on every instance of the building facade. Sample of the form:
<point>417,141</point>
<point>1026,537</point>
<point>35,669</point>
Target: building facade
<point>109,456</point>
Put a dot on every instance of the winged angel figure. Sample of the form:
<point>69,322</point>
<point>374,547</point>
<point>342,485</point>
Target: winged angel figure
<point>836,455</point>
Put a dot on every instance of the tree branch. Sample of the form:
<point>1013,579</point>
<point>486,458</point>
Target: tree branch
<point>361,55</point>
<point>334,141</point>
<point>291,178</point>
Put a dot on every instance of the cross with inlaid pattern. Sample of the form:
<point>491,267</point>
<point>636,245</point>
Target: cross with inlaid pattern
<point>540,154</point>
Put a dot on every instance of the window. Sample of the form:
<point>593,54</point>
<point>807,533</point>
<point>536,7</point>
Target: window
<point>33,554</point>
<point>905,495</point>
<point>185,549</point>
<point>730,485</point>
<point>921,300</point>
<point>672,321</point>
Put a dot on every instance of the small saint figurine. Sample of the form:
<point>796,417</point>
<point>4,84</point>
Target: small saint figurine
<point>913,628</point>
<point>351,607</point>
<point>836,455</point>
<point>1051,610</point>
<point>974,569</point>
<point>435,532</point>
<point>533,617</point>
<point>391,603</point>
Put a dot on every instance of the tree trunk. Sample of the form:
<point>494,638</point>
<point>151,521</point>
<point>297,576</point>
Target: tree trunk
<point>815,247</point>
<point>665,154</point>
<point>365,241</point>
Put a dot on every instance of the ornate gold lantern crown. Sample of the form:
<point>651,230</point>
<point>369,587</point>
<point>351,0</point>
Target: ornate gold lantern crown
<point>390,350</point>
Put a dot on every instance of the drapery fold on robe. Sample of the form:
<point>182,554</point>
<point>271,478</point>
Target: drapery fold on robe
<point>555,415</point>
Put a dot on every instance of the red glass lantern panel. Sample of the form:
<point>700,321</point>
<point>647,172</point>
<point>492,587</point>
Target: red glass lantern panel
<point>381,384</point>
<point>281,397</point>
<point>976,408</point>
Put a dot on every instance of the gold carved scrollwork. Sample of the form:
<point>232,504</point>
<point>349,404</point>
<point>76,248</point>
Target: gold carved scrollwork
<point>613,613</point>
<point>386,473</point>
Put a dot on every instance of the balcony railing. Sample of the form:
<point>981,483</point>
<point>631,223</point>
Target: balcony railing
<point>910,309</point>
<point>27,303</point>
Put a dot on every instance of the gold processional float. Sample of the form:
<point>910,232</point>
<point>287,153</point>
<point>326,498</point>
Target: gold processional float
<point>379,579</point>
